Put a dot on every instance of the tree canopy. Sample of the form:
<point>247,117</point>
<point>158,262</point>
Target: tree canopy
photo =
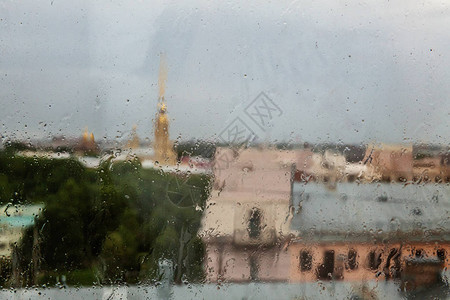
<point>109,224</point>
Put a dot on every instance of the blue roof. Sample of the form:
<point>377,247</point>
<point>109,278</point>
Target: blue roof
<point>378,209</point>
<point>17,221</point>
<point>19,215</point>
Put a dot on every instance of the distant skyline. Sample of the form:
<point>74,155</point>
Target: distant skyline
<point>350,72</point>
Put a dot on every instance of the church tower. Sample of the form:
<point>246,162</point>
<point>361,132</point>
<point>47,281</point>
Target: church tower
<point>164,153</point>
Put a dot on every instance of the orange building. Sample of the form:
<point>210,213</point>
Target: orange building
<point>368,231</point>
<point>399,163</point>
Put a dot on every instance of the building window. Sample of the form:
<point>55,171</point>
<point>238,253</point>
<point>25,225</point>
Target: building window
<point>374,260</point>
<point>305,261</point>
<point>352,263</point>
<point>392,267</point>
<point>419,253</point>
<point>254,224</point>
<point>326,269</point>
<point>441,254</point>
<point>254,268</point>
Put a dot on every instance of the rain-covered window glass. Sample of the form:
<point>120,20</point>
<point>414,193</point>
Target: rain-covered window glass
<point>230,149</point>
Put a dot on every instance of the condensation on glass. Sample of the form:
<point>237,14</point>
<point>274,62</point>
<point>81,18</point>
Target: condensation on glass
<point>288,150</point>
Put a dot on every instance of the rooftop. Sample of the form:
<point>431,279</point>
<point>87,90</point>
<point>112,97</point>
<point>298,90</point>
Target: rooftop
<point>371,211</point>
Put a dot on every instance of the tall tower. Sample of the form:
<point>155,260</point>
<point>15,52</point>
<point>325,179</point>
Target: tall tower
<point>164,153</point>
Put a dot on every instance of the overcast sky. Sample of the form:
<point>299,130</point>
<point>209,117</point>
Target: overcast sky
<point>350,71</point>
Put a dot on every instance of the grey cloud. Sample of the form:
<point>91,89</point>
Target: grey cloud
<point>355,73</point>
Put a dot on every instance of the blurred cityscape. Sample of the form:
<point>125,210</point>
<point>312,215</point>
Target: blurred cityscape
<point>278,213</point>
<point>80,212</point>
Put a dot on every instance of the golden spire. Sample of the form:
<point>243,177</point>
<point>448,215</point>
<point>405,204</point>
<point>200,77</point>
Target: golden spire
<point>88,141</point>
<point>88,138</point>
<point>85,135</point>
<point>162,77</point>
<point>164,153</point>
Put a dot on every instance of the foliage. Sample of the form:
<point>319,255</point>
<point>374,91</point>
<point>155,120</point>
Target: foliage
<point>111,224</point>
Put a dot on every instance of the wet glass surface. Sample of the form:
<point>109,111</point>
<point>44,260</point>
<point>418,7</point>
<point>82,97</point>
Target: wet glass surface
<point>292,150</point>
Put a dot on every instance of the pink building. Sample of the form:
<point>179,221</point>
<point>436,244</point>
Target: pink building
<point>260,225</point>
<point>245,224</point>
